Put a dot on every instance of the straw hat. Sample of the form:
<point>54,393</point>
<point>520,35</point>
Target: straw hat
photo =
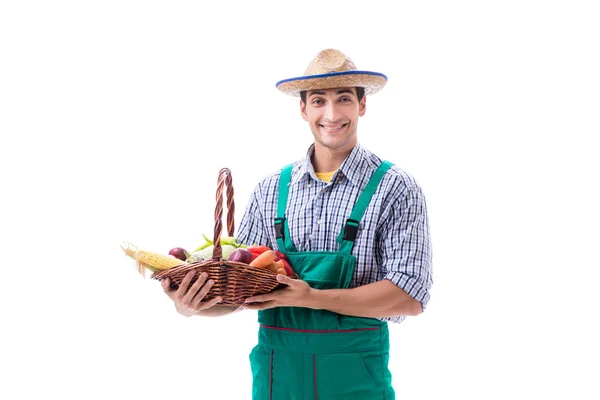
<point>332,69</point>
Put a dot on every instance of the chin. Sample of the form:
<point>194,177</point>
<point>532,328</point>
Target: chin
<point>334,145</point>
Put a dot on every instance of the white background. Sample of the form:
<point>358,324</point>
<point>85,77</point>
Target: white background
<point>116,116</point>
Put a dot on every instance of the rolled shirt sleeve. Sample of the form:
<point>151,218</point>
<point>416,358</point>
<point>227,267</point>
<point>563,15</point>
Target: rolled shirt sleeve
<point>404,245</point>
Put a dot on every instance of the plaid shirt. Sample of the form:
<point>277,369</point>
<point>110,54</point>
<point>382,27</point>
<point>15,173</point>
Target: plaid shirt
<point>393,238</point>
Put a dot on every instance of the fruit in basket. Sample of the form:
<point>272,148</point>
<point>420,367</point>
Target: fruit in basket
<point>201,255</point>
<point>179,253</point>
<point>257,250</point>
<point>207,253</point>
<point>279,255</point>
<point>263,260</point>
<point>241,255</point>
<point>272,266</point>
<point>154,262</point>
<point>227,250</point>
<point>285,263</point>
<point>288,268</point>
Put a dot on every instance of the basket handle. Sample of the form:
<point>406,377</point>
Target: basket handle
<point>224,179</point>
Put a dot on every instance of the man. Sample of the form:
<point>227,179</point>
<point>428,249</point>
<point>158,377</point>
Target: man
<point>356,232</point>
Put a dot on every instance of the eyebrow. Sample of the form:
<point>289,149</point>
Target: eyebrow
<point>338,92</point>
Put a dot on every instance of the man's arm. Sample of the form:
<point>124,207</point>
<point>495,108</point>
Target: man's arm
<point>404,248</point>
<point>376,300</point>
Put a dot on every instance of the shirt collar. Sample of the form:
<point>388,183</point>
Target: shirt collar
<point>351,168</point>
<point>304,168</point>
<point>353,165</point>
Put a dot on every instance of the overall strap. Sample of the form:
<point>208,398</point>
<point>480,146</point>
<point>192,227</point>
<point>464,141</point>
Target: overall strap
<point>282,232</point>
<point>348,234</point>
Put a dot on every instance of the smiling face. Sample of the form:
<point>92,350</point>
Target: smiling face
<point>332,115</point>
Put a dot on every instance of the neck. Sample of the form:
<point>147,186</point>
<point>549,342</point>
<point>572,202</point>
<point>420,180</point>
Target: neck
<point>328,160</point>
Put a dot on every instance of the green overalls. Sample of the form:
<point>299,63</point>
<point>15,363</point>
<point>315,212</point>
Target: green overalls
<point>306,354</point>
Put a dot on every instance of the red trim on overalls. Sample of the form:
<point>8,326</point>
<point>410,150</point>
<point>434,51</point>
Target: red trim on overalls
<point>315,376</point>
<point>317,330</point>
<point>271,376</point>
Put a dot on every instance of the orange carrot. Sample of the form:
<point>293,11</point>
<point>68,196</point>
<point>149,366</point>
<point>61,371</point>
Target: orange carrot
<point>273,266</point>
<point>263,260</point>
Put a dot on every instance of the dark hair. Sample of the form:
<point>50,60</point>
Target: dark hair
<point>360,93</point>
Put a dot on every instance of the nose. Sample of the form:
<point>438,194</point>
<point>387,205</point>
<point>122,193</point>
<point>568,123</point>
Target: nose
<point>332,111</point>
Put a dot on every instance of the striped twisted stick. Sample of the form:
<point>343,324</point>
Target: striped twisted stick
<point>223,180</point>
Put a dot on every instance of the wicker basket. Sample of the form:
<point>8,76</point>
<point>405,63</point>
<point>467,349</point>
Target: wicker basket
<point>233,281</point>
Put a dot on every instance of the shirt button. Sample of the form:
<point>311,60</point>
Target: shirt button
<point>319,221</point>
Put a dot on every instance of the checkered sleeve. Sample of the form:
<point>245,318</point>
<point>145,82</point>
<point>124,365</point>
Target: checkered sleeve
<point>252,229</point>
<point>404,245</point>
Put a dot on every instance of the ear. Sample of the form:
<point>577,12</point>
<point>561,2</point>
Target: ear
<point>303,111</point>
<point>362,106</point>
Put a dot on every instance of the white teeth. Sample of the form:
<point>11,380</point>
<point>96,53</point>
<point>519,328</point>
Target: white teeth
<point>333,128</point>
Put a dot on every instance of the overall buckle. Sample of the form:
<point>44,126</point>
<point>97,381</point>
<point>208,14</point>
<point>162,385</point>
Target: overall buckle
<point>279,228</point>
<point>350,230</point>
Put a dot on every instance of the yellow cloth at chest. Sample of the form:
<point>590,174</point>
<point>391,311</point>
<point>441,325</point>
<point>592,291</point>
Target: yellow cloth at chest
<point>325,176</point>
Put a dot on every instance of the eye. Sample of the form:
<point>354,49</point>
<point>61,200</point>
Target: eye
<point>317,101</point>
<point>345,100</point>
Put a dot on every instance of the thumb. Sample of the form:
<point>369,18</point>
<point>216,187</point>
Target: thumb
<point>286,280</point>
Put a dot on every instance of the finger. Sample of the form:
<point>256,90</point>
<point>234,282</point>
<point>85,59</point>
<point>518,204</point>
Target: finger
<point>271,296</point>
<point>259,299</point>
<point>260,306</point>
<point>209,304</point>
<point>200,295</point>
<point>286,280</point>
<point>168,289</point>
<point>189,296</point>
<point>183,287</point>
<point>166,285</point>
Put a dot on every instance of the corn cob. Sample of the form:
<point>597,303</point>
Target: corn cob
<point>155,262</point>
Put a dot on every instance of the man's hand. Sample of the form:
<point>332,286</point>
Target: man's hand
<point>297,294</point>
<point>189,302</point>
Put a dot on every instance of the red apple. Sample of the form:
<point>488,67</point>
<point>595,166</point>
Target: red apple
<point>279,256</point>
<point>179,253</point>
<point>288,268</point>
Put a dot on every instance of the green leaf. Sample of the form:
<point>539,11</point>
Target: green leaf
<point>229,240</point>
<point>205,245</point>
